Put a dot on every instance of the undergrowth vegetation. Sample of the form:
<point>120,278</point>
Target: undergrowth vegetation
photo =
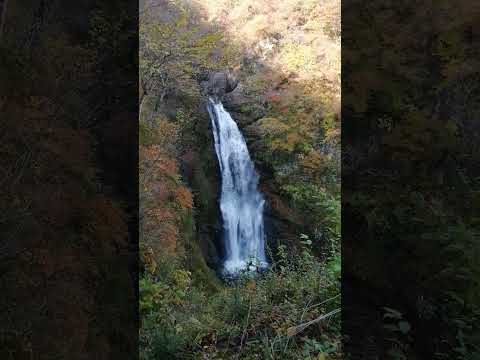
<point>262,317</point>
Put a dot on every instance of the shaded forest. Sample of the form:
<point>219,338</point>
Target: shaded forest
<point>410,179</point>
<point>69,199</point>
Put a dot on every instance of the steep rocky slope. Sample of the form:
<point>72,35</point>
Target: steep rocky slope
<point>289,88</point>
<point>278,74</point>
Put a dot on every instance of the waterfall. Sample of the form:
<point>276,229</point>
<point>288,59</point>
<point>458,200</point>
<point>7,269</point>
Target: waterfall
<point>241,203</point>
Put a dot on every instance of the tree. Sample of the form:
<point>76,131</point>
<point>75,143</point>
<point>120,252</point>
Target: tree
<point>173,54</point>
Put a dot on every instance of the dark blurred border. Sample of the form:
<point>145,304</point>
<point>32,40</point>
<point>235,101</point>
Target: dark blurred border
<point>410,179</point>
<point>69,179</point>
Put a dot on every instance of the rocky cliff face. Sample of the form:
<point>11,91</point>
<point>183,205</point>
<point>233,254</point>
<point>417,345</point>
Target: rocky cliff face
<point>282,223</point>
<point>200,170</point>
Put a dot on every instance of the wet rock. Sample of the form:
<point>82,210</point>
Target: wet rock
<point>221,83</point>
<point>243,109</point>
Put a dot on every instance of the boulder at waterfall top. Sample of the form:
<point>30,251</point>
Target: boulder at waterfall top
<point>221,82</point>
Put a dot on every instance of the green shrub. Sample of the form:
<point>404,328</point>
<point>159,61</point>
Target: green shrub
<point>250,316</point>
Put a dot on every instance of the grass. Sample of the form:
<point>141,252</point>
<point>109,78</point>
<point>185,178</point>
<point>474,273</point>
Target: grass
<point>252,318</point>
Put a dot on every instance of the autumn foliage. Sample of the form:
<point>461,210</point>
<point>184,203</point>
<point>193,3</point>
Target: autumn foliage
<point>164,200</point>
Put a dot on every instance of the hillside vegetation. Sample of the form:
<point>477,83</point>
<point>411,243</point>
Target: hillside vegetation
<point>287,103</point>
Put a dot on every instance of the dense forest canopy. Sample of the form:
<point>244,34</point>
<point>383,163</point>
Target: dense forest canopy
<point>66,204</point>
<point>410,144</point>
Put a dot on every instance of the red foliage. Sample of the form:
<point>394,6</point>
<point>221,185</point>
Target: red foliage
<point>184,197</point>
<point>273,96</point>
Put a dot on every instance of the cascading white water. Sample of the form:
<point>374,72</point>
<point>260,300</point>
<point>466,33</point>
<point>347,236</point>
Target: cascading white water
<point>241,204</point>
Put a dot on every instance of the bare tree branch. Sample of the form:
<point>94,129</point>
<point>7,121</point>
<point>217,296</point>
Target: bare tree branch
<point>294,330</point>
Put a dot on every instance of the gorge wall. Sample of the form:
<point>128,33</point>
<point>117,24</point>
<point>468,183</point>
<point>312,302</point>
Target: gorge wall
<point>279,79</point>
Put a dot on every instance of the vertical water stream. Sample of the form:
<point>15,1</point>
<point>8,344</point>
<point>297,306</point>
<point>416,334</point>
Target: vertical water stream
<point>241,203</point>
